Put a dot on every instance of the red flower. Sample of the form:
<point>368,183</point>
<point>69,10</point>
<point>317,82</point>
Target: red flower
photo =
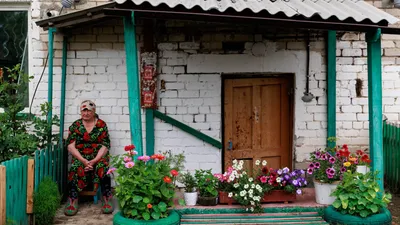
<point>100,172</point>
<point>359,152</point>
<point>158,156</point>
<point>265,170</point>
<point>129,148</point>
<point>344,153</point>
<point>100,123</point>
<point>71,176</point>
<point>167,179</point>
<point>365,158</point>
<point>81,184</point>
<point>87,151</point>
<point>86,136</point>
<point>81,171</point>
<point>345,146</point>
<point>149,206</point>
<point>79,146</point>
<point>174,173</point>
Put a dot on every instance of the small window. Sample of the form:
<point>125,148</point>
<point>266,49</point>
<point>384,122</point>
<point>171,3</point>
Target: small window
<point>13,42</point>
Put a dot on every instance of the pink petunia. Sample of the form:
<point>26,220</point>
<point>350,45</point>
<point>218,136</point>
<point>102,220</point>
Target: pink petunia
<point>144,158</point>
<point>111,170</point>
<point>129,164</point>
<point>263,179</point>
<point>127,159</point>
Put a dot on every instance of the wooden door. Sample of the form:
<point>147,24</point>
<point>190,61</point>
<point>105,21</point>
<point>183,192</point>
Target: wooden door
<point>258,121</point>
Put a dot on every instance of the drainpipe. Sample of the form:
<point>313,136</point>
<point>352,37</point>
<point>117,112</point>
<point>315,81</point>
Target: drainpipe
<point>50,84</point>
<point>63,80</point>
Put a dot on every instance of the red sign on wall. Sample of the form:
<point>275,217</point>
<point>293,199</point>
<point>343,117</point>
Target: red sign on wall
<point>148,76</point>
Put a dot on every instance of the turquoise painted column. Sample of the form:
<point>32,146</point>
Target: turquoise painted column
<point>375,101</point>
<point>149,131</point>
<point>50,82</point>
<point>63,83</point>
<point>331,86</point>
<point>132,72</point>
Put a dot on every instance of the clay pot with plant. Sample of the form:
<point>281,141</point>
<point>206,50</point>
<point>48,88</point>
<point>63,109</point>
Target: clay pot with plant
<point>207,185</point>
<point>190,194</point>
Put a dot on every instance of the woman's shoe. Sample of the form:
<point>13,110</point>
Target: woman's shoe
<point>71,208</point>
<point>107,205</point>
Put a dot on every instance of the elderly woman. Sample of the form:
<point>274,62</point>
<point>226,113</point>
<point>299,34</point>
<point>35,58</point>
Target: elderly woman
<point>88,142</point>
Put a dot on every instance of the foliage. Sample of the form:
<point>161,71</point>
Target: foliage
<point>360,195</point>
<point>15,140</point>
<point>206,183</point>
<point>189,181</point>
<point>46,202</point>
<point>145,186</point>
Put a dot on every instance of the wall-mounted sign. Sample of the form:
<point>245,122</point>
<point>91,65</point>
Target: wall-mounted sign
<point>148,77</point>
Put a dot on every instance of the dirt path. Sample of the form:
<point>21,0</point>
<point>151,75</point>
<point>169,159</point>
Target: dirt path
<point>394,208</point>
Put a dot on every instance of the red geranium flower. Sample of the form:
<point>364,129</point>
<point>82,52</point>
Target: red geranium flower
<point>86,136</point>
<point>345,147</point>
<point>167,179</point>
<point>129,148</point>
<point>365,158</point>
<point>149,206</point>
<point>158,156</point>
<point>360,152</point>
<point>81,171</point>
<point>174,173</point>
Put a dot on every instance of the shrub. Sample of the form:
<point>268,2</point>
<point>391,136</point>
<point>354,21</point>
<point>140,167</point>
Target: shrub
<point>207,183</point>
<point>46,202</point>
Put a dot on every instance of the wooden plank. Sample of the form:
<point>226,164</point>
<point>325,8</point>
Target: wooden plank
<point>331,86</point>
<point>228,126</point>
<point>30,186</point>
<point>3,196</point>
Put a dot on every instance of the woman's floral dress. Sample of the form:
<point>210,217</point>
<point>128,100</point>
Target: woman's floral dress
<point>88,145</point>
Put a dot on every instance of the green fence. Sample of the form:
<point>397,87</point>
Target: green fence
<point>18,202</point>
<point>391,151</point>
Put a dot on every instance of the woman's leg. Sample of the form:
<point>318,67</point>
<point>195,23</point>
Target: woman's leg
<point>76,182</point>
<point>105,184</point>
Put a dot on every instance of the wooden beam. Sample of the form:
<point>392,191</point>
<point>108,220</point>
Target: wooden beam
<point>331,85</point>
<point>375,102</point>
<point>188,129</point>
<point>2,195</point>
<point>30,186</point>
<point>132,72</point>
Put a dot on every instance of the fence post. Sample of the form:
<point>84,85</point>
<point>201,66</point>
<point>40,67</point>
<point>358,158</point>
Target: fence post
<point>30,186</point>
<point>2,195</point>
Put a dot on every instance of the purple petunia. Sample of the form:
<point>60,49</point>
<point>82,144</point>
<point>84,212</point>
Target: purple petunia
<point>332,160</point>
<point>310,170</point>
<point>295,182</point>
<point>317,154</point>
<point>298,191</point>
<point>287,177</point>
<point>324,157</point>
<point>343,169</point>
<point>330,171</point>
<point>311,166</point>
<point>337,154</point>
<point>279,172</point>
<point>317,165</point>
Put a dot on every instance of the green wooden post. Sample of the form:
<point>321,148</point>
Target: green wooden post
<point>50,83</point>
<point>63,84</point>
<point>132,72</point>
<point>331,86</point>
<point>375,101</point>
<point>149,131</point>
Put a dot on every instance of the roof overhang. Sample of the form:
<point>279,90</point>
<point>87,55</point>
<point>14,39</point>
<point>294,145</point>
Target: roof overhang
<point>148,9</point>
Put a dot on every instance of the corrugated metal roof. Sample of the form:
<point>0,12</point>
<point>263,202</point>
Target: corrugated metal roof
<point>341,9</point>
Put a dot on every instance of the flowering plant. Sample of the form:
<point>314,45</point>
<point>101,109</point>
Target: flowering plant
<point>145,186</point>
<point>206,183</point>
<point>361,157</point>
<point>330,164</point>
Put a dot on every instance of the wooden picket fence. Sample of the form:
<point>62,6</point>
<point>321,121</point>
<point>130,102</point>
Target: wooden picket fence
<point>391,151</point>
<point>19,178</point>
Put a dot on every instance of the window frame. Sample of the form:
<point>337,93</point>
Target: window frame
<point>23,6</point>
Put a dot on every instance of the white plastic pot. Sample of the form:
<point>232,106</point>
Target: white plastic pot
<point>362,169</point>
<point>323,192</point>
<point>190,198</point>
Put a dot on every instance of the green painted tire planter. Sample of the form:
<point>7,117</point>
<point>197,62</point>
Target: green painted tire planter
<point>334,217</point>
<point>174,218</point>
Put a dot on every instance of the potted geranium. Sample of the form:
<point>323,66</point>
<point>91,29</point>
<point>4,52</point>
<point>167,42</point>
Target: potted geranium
<point>145,189</point>
<point>328,167</point>
<point>190,194</point>
<point>207,185</point>
<point>359,200</point>
<point>361,160</point>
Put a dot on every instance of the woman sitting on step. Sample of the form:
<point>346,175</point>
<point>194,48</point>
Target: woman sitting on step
<point>88,142</point>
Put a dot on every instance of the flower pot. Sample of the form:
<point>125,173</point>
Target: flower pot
<point>323,192</point>
<point>334,217</point>
<point>190,198</point>
<point>224,199</point>
<point>207,201</point>
<point>173,219</point>
<point>362,169</point>
<point>279,196</point>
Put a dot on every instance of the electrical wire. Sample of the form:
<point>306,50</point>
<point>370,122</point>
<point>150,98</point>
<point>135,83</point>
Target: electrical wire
<point>41,75</point>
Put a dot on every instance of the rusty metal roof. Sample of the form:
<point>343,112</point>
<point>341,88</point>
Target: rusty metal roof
<point>357,10</point>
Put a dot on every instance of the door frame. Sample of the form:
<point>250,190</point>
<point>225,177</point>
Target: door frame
<point>290,77</point>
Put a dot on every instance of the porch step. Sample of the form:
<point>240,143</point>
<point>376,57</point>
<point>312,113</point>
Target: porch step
<point>252,219</point>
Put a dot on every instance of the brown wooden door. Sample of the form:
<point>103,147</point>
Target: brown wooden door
<point>258,121</point>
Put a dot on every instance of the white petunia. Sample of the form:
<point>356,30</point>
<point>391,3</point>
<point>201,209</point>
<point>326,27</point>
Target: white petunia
<point>251,191</point>
<point>251,202</point>
<point>252,209</point>
<point>236,185</point>
<point>258,162</point>
<point>247,209</point>
<point>264,163</point>
<point>253,185</point>
<point>230,194</point>
<point>258,186</point>
<point>239,167</point>
<point>250,195</point>
<point>246,186</point>
<point>278,179</point>
<point>245,198</point>
<point>241,162</point>
<point>250,179</point>
<point>235,162</point>
<point>242,193</point>
<point>231,177</point>
<point>244,173</point>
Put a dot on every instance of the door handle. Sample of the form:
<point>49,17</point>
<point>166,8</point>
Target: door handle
<point>230,145</point>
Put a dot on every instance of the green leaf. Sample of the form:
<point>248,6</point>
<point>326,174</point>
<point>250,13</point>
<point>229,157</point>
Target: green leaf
<point>156,215</point>
<point>156,193</point>
<point>162,206</point>
<point>146,200</point>
<point>122,202</point>
<point>134,212</point>
<point>364,213</point>
<point>337,203</point>
<point>343,196</point>
<point>374,208</point>
<point>165,192</point>
<point>181,202</point>
<point>345,203</point>
<point>146,216</point>
<point>372,193</point>
<point>362,201</point>
<point>137,198</point>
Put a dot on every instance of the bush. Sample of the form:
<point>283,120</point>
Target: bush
<point>46,201</point>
